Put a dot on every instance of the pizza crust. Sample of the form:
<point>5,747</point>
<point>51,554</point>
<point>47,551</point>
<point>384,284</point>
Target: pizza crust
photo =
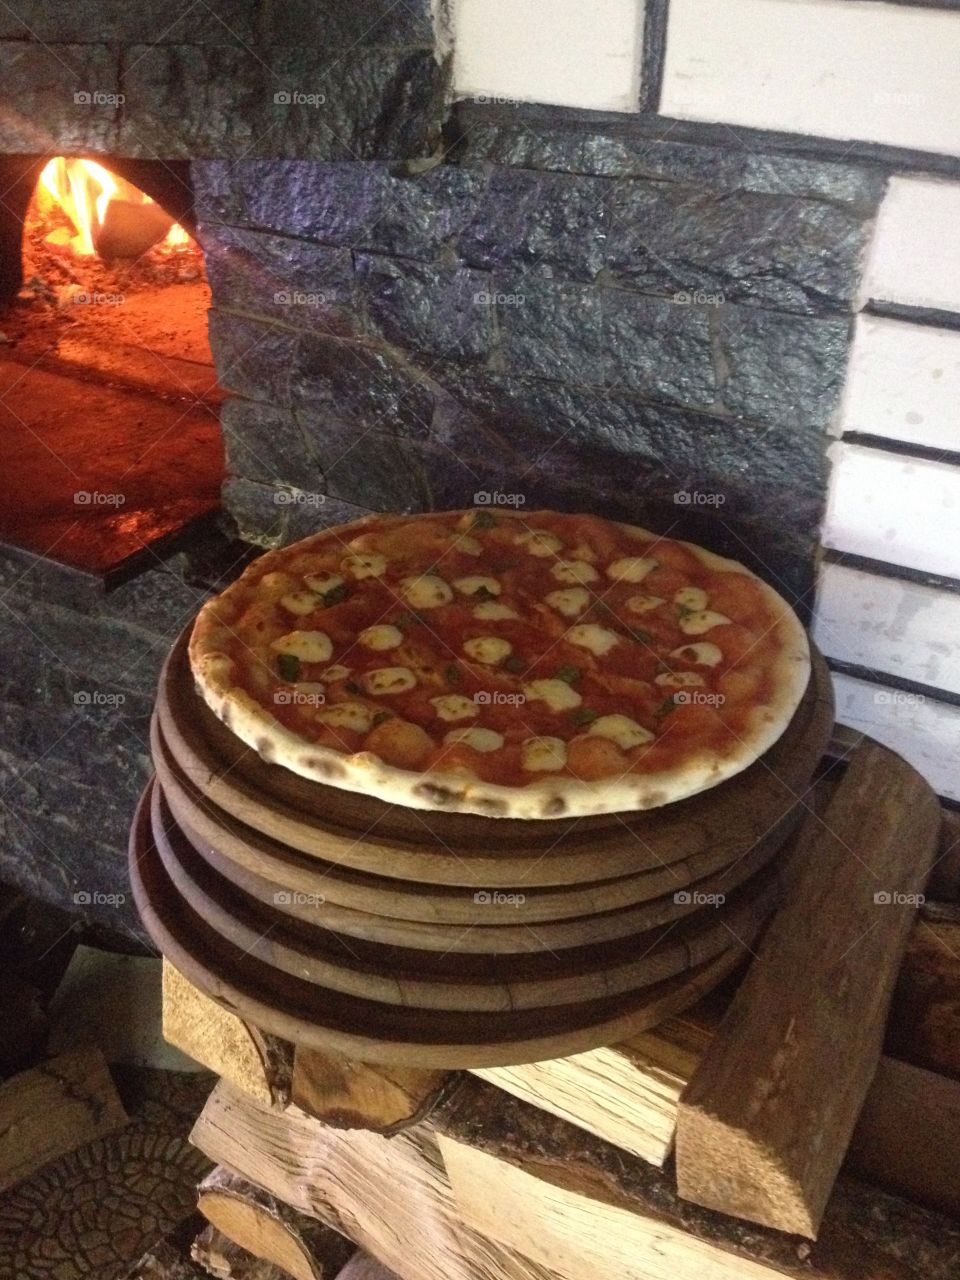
<point>550,797</point>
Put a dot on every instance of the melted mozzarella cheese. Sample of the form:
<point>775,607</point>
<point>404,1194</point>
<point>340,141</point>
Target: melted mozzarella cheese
<point>703,654</point>
<point>468,545</point>
<point>385,680</point>
<point>477,737</point>
<point>300,603</point>
<point>626,733</point>
<point>557,694</point>
<point>644,604</point>
<point>487,649</point>
<point>630,568</point>
<point>321,583</point>
<point>493,611</point>
<point>695,624</point>
<point>381,636</point>
<point>367,564</point>
<point>308,646</point>
<point>539,543</point>
<point>574,571</point>
<point>571,602</point>
<point>425,592</point>
<point>691,598</point>
<point>540,755</point>
<point>347,715</point>
<point>337,672</point>
<point>475,582</point>
<point>678,679</point>
<point>589,635</point>
<point>273,585</point>
<point>454,706</point>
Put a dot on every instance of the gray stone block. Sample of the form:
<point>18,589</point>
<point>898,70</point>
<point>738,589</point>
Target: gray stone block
<point>661,348</point>
<point>341,27</point>
<point>550,328</point>
<point>92,21</point>
<point>427,310</point>
<point>268,445</point>
<point>253,358</point>
<point>58,97</point>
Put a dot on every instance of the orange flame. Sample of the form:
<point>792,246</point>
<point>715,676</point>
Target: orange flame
<point>83,190</point>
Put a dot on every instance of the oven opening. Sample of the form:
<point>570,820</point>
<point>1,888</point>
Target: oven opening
<point>109,435</point>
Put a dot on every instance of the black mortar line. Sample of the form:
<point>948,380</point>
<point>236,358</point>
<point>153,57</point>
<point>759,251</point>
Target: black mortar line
<point>887,680</point>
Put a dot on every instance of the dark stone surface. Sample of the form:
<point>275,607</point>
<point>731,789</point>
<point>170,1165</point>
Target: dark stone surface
<point>774,251</point>
<point>434,311</point>
<point>369,467</point>
<point>623,151</point>
<point>301,284</point>
<point>170,21</point>
<point>254,358</point>
<point>338,26</point>
<point>268,445</point>
<point>550,328</point>
<point>661,348</point>
<point>223,100</point>
<point>782,368</point>
<point>264,522</point>
<point>354,206</point>
<point>39,112</point>
<point>367,384</point>
<point>541,220</point>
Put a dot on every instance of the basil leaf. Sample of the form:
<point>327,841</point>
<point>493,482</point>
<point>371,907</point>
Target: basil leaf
<point>452,673</point>
<point>288,666</point>
<point>584,715</point>
<point>568,672</point>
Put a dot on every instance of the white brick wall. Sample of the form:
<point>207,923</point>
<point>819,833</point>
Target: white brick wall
<point>915,254</point>
<point>564,52</point>
<point>834,68</point>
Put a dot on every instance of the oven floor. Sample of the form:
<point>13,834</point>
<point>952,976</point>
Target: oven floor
<point>109,435</point>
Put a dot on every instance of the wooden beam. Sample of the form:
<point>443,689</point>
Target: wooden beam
<point>254,1060</point>
<point>764,1125</point>
<point>355,1095</point>
<point>270,1229</point>
<point>53,1109</point>
<point>924,1024</point>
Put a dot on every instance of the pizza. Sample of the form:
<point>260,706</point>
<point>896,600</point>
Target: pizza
<point>511,665</point>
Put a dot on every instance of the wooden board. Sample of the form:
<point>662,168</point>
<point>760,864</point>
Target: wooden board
<point>375,1032</point>
<point>224,842</point>
<point>765,1123</point>
<point>522,931</point>
<point>395,976</point>
<point>350,830</point>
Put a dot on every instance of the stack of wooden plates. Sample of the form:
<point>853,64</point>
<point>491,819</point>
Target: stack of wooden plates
<point>392,934</point>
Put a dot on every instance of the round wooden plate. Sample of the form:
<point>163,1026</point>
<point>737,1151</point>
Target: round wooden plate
<point>394,976</point>
<point>375,1032</point>
<point>728,819</point>
<point>222,840</point>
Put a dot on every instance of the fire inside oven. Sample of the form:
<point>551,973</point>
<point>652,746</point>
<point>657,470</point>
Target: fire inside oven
<point>109,433</point>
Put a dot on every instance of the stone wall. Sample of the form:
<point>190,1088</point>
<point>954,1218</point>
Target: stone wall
<point>575,316</point>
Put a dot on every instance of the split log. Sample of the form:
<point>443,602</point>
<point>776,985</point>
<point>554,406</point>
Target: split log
<point>585,1209</point>
<point>389,1195</point>
<point>219,1257</point>
<point>944,881</point>
<point>271,1229</point>
<point>924,1024</point>
<point>354,1095</point>
<point>254,1060</point>
<point>53,1109</point>
<point>764,1125</point>
<point>627,1093</point>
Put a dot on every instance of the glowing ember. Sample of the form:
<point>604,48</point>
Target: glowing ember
<point>83,190</point>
